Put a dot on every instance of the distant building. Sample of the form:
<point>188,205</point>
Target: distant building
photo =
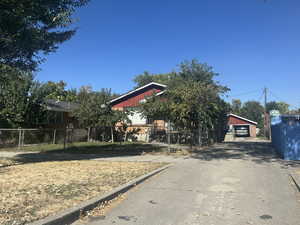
<point>241,127</point>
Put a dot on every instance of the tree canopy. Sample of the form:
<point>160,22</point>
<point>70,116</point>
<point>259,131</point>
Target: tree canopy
<point>253,110</point>
<point>29,28</point>
<point>236,106</point>
<point>95,111</point>
<point>22,98</point>
<point>282,107</point>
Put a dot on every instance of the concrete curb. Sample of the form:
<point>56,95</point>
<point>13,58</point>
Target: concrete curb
<point>296,180</point>
<point>72,214</point>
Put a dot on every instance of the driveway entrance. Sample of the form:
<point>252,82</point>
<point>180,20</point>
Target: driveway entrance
<point>230,184</point>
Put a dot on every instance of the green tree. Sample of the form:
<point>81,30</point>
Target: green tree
<point>282,107</point>
<point>14,97</point>
<point>29,28</point>
<point>146,78</point>
<point>236,106</point>
<point>191,100</point>
<point>253,110</point>
<point>22,97</point>
<point>94,110</point>
<point>58,91</point>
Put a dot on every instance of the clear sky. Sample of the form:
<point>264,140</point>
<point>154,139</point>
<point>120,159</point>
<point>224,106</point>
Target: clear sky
<point>250,43</point>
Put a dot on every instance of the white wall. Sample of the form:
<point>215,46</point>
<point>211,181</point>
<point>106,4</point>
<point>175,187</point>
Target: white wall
<point>137,119</point>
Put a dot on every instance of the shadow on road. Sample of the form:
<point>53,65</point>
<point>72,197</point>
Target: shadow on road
<point>87,152</point>
<point>258,152</point>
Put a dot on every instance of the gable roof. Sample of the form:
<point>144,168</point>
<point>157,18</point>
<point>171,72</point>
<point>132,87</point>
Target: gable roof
<point>60,106</point>
<point>242,118</point>
<point>136,90</point>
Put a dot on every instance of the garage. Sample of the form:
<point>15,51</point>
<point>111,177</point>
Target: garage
<point>241,127</point>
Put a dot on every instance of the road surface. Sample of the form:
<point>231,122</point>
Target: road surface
<point>231,184</point>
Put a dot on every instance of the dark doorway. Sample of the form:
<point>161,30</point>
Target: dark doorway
<point>242,130</point>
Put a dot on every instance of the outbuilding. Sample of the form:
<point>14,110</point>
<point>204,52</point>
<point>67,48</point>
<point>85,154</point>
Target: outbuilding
<point>241,127</point>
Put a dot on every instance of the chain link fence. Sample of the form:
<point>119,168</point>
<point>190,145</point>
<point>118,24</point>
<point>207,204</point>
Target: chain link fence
<point>198,137</point>
<point>16,139</point>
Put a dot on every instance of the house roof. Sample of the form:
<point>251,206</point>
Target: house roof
<point>138,89</point>
<point>242,118</point>
<point>60,106</point>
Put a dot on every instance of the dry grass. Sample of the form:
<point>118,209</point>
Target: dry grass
<point>33,191</point>
<point>7,162</point>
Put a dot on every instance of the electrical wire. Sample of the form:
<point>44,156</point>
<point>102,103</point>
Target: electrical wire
<point>242,94</point>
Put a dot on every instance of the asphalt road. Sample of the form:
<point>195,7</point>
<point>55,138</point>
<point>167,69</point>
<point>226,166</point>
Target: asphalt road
<point>232,184</point>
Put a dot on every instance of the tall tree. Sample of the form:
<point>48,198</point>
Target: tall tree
<point>14,94</point>
<point>236,106</point>
<point>29,28</point>
<point>253,110</point>
<point>191,100</point>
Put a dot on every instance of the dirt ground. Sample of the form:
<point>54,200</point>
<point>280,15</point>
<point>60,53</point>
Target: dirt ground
<point>36,190</point>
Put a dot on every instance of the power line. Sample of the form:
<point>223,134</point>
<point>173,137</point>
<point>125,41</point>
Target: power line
<point>261,96</point>
<point>245,93</point>
<point>281,100</point>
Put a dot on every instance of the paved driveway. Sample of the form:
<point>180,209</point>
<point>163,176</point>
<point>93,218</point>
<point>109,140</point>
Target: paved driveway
<point>231,184</point>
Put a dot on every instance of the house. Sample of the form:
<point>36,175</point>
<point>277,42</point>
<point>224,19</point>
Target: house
<point>59,114</point>
<point>131,101</point>
<point>240,126</point>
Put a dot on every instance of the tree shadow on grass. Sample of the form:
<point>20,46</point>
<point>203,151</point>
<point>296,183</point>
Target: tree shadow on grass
<point>87,152</point>
<point>258,152</point>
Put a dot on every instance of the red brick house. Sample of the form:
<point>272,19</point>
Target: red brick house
<point>241,127</point>
<point>131,101</point>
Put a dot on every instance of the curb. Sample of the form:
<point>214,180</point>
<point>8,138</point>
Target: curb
<point>296,180</point>
<point>72,214</point>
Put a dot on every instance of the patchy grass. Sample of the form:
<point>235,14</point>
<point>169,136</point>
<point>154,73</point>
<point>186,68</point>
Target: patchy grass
<point>36,190</point>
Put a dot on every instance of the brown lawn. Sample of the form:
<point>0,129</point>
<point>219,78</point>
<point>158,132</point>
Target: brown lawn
<point>33,191</point>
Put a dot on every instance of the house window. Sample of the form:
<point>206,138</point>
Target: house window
<point>149,120</point>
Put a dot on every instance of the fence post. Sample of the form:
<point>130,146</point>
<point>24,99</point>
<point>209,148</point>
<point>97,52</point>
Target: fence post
<point>65,137</point>
<point>112,134</point>
<point>23,136</point>
<point>169,136</point>
<point>20,137</point>
<point>88,134</point>
<point>54,136</point>
<point>199,136</point>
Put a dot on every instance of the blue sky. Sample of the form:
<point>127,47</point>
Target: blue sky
<point>250,43</point>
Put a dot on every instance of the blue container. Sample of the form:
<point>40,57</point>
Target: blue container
<point>286,136</point>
